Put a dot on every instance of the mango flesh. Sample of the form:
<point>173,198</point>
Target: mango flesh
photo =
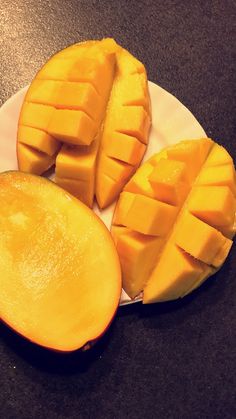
<point>64,286</point>
<point>172,199</point>
<point>94,92</point>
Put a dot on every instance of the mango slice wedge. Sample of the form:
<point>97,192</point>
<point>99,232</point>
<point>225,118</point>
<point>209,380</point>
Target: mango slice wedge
<point>60,275</point>
<point>91,95</point>
<point>174,222</point>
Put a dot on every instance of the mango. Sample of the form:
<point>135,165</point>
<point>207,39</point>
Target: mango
<point>189,207</point>
<point>91,92</point>
<point>38,140</point>
<point>51,294</point>
<point>137,254</point>
<point>33,161</point>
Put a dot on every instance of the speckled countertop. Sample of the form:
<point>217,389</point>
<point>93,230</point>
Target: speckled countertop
<point>175,360</point>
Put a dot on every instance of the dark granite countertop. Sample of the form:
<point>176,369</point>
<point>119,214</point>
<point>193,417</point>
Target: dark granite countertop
<point>175,360</point>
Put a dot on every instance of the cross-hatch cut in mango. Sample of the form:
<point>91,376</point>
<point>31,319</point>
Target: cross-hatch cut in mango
<point>88,112</point>
<point>174,222</point>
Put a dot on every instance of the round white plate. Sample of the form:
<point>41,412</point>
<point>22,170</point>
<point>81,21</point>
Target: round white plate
<point>171,122</point>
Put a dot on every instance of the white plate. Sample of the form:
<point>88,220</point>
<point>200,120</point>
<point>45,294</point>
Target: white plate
<point>171,122</point>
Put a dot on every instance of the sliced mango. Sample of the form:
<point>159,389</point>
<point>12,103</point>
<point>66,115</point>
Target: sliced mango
<point>90,90</point>
<point>38,139</point>
<point>195,233</point>
<point>33,161</point>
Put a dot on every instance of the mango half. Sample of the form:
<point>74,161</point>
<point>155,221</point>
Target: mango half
<point>174,222</point>
<point>60,275</point>
<point>88,112</point>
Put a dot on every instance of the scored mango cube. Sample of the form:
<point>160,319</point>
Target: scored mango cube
<point>73,127</point>
<point>115,169</point>
<point>122,208</point>
<point>106,189</point>
<point>131,91</point>
<point>81,189</point>
<point>127,64</point>
<point>205,243</point>
<point>218,156</point>
<point>124,147</point>
<point>145,214</point>
<point>33,161</point>
<point>130,120</point>
<point>193,153</point>
<point>77,162</point>
<point>218,176</point>
<point>213,204</point>
<point>36,116</point>
<point>173,275</point>
<point>38,139</point>
<point>137,254</point>
<point>139,183</point>
<point>168,180</point>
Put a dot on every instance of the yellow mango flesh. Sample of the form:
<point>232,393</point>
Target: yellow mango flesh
<point>91,90</point>
<point>51,294</point>
<point>33,161</point>
<point>124,147</point>
<point>173,275</point>
<point>67,95</point>
<point>36,116</point>
<point>218,157</point>
<point>145,213</point>
<point>213,204</point>
<point>77,162</point>
<point>221,175</point>
<point>81,189</point>
<point>137,253</point>
<point>80,128</point>
<point>195,237</point>
<point>168,181</point>
<point>140,183</point>
<point>75,171</point>
<point>205,243</point>
<point>38,139</point>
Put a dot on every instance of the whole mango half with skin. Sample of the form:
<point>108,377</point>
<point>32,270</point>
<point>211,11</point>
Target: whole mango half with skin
<point>60,276</point>
<point>88,112</point>
<point>174,222</point>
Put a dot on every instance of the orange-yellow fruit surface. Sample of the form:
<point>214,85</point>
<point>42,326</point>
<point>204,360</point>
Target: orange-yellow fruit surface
<point>94,92</point>
<point>174,222</point>
<point>60,275</point>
